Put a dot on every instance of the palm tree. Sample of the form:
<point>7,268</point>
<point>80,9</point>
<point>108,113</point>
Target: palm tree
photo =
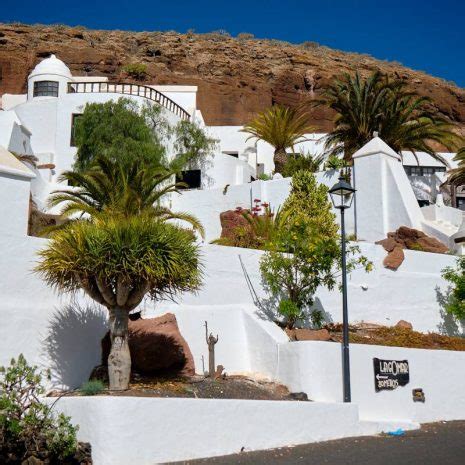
<point>404,120</point>
<point>127,189</point>
<point>117,260</point>
<point>282,127</point>
<point>457,175</point>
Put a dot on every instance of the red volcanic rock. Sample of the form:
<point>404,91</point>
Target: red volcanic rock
<point>408,238</point>
<point>394,258</point>
<point>230,220</point>
<point>156,346</point>
<point>308,334</point>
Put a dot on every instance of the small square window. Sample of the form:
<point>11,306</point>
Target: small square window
<point>45,89</point>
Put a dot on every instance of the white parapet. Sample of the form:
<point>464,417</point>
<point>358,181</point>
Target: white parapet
<point>147,431</point>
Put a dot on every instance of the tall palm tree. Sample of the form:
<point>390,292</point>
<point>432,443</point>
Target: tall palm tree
<point>282,127</point>
<point>404,120</point>
<point>117,260</point>
<point>125,189</point>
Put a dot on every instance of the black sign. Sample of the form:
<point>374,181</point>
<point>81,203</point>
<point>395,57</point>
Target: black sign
<point>389,374</point>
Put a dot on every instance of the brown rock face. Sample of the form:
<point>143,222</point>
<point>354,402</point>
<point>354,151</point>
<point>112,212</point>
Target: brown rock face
<point>157,347</point>
<point>236,78</point>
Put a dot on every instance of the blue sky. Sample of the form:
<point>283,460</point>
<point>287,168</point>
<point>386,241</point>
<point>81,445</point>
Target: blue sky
<point>426,34</point>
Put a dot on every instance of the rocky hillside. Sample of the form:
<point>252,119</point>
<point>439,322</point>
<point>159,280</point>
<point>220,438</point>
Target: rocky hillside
<point>236,76</point>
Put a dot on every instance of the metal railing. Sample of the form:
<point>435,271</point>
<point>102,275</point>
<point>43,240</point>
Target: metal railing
<point>136,90</point>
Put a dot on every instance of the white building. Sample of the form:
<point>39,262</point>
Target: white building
<point>41,123</point>
<point>49,330</point>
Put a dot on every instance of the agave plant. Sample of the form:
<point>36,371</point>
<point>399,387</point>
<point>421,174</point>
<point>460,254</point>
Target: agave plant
<point>120,189</point>
<point>377,104</point>
<point>282,127</point>
<point>117,260</point>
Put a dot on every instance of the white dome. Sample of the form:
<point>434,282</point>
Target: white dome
<point>51,65</point>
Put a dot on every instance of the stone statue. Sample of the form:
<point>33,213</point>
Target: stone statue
<point>211,341</point>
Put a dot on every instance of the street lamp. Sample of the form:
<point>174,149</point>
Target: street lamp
<point>342,194</point>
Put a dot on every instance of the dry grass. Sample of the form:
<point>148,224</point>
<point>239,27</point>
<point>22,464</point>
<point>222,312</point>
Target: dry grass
<point>400,337</point>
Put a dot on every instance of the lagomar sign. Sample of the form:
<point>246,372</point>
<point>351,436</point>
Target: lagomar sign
<point>389,374</point>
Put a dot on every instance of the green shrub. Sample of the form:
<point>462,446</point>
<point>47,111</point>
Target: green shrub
<point>455,304</point>
<point>304,253</point>
<point>335,163</point>
<point>264,177</point>
<point>302,161</point>
<point>136,70</point>
<point>92,387</point>
<point>28,428</point>
<point>290,311</point>
<point>317,319</point>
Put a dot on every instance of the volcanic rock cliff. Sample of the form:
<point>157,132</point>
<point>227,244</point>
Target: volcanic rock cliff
<point>236,77</point>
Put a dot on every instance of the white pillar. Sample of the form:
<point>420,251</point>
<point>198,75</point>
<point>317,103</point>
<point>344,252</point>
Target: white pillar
<point>385,198</point>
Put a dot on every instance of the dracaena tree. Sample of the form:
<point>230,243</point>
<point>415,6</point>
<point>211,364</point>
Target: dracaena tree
<point>118,260</point>
<point>403,119</point>
<point>282,127</point>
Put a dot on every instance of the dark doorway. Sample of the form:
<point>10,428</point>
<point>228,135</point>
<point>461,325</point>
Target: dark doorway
<point>192,179</point>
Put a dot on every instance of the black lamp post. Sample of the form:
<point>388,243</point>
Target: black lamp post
<point>342,194</point>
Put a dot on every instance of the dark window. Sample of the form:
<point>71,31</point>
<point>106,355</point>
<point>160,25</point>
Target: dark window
<point>191,178</point>
<point>232,154</point>
<point>461,203</point>
<point>45,89</point>
<point>74,118</point>
<point>423,170</point>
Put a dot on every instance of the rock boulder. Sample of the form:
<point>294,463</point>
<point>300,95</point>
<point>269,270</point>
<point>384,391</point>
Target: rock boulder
<point>408,238</point>
<point>308,334</point>
<point>157,347</point>
<point>230,220</point>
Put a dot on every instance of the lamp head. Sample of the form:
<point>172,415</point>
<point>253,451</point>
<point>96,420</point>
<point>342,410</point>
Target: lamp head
<point>342,194</point>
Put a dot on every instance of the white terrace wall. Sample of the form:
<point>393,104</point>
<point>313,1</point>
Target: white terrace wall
<point>384,200</point>
<point>414,292</point>
<point>147,431</point>
<point>207,205</point>
<point>315,368</point>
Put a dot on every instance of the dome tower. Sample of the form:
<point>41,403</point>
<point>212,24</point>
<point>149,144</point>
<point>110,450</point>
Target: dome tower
<point>49,78</point>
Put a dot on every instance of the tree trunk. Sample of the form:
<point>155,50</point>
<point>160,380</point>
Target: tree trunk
<point>119,360</point>
<point>280,159</point>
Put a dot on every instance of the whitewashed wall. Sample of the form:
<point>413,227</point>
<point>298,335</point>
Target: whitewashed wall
<point>207,205</point>
<point>147,431</point>
<point>316,368</point>
<point>51,330</point>
<point>232,139</point>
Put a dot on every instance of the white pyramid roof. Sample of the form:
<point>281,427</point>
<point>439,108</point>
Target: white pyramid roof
<point>374,147</point>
